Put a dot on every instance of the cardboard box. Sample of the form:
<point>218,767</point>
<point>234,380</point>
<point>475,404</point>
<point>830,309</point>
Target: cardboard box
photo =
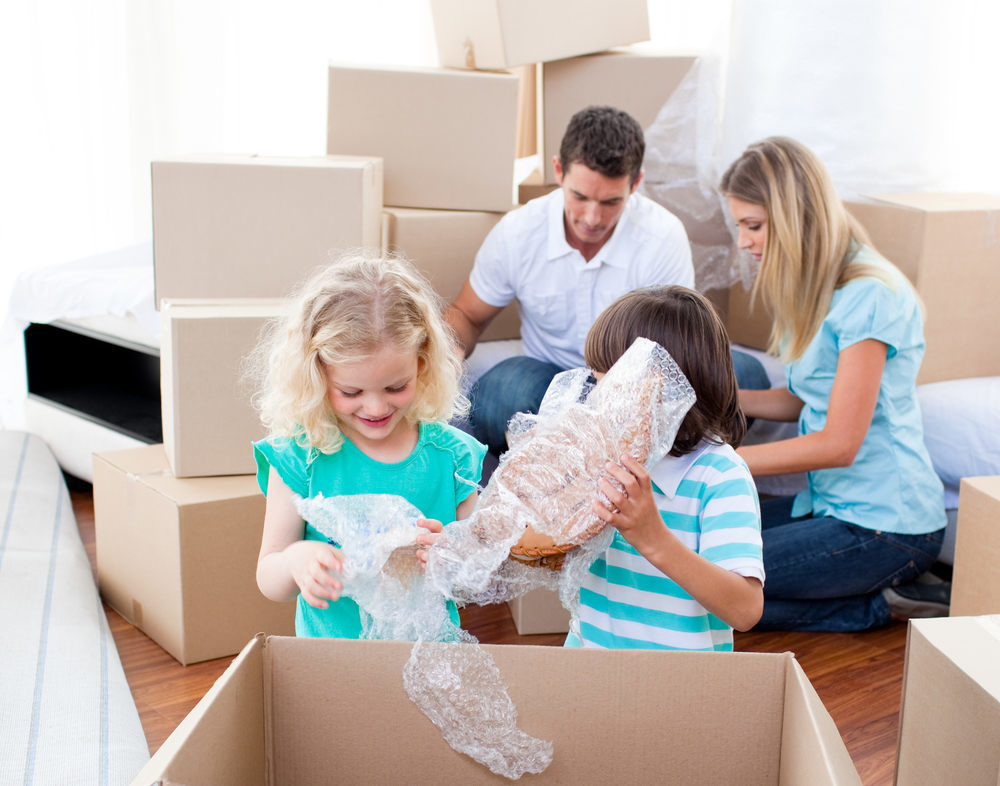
<point>637,80</point>
<point>177,557</point>
<point>505,33</point>
<point>296,710</point>
<point>975,585</point>
<point>249,226</point>
<point>448,138</point>
<point>443,244</point>
<point>949,721</point>
<point>208,420</point>
<point>948,245</point>
<point>539,611</point>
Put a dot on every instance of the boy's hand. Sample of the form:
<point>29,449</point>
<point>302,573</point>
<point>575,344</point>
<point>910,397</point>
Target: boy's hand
<point>434,528</point>
<point>633,511</point>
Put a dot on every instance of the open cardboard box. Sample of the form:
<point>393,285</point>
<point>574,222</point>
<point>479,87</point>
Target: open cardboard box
<point>316,711</point>
<point>949,723</point>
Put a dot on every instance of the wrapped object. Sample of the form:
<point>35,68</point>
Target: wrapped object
<point>541,495</point>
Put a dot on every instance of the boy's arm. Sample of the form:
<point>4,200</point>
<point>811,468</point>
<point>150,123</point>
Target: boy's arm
<point>736,600</point>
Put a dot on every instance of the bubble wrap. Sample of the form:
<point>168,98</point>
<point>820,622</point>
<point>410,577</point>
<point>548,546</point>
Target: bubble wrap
<point>548,481</point>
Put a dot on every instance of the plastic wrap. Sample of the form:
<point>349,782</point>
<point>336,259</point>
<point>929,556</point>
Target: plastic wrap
<point>681,174</point>
<point>547,481</point>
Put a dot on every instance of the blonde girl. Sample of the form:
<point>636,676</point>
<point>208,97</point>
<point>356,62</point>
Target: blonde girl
<point>843,554</point>
<point>361,379</point>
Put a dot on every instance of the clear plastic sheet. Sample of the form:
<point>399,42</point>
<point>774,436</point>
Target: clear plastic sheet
<point>548,480</point>
<point>682,175</point>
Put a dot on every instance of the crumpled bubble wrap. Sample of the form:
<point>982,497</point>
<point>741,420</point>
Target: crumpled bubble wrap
<point>448,676</point>
<point>548,480</point>
<point>461,690</point>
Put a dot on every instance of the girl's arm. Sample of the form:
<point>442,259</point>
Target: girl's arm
<point>849,415</point>
<point>736,600</point>
<point>288,564</point>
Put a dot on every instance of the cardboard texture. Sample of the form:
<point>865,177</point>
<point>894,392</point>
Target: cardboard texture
<point>443,245</point>
<point>287,712</point>
<point>177,557</point>
<point>949,247</point>
<point>746,325</point>
<point>249,226</point>
<point>636,80</point>
<point>539,611</point>
<point>448,138</point>
<point>208,420</point>
<point>505,33</point>
<point>975,585</point>
<point>943,243</point>
<point>949,725</point>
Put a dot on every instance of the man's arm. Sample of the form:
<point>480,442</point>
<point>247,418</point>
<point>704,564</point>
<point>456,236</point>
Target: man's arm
<point>468,316</point>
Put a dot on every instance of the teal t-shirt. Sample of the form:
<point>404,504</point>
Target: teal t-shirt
<point>441,472</point>
<point>891,485</point>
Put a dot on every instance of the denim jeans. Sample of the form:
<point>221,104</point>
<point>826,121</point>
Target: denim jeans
<point>516,384</point>
<point>750,373</point>
<point>823,574</point>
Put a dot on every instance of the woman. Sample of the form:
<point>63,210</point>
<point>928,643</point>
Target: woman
<point>846,553</point>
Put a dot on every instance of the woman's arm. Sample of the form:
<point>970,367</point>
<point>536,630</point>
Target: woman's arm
<point>288,564</point>
<point>736,600</point>
<point>777,404</point>
<point>849,415</point>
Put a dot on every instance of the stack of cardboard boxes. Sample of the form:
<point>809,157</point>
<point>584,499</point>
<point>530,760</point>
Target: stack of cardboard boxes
<point>178,525</point>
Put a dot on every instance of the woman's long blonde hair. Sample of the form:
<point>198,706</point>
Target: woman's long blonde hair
<point>811,238</point>
<point>344,313</point>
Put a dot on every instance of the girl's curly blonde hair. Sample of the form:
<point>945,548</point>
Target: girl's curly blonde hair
<point>344,313</point>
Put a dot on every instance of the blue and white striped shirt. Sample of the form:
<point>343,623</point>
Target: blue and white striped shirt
<point>708,500</point>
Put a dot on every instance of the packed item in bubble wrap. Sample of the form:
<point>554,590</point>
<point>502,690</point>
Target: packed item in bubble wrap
<point>546,484</point>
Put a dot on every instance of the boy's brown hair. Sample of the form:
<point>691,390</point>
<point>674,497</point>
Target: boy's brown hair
<point>685,324</point>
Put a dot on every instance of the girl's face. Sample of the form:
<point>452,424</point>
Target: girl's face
<point>751,220</point>
<point>370,398</point>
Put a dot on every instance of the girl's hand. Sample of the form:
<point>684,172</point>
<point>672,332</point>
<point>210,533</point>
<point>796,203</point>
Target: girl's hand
<point>315,569</point>
<point>434,528</point>
<point>633,511</point>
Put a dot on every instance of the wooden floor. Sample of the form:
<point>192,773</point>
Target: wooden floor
<point>858,676</point>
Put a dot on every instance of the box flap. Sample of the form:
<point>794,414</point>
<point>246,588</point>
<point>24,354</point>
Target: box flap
<point>222,740</point>
<point>812,750</point>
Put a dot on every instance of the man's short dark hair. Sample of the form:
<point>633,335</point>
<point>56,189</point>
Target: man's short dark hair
<point>604,139</point>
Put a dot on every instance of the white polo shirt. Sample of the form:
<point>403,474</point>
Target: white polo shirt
<point>526,257</point>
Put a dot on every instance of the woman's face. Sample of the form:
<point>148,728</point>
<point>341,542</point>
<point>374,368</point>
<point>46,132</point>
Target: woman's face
<point>751,220</point>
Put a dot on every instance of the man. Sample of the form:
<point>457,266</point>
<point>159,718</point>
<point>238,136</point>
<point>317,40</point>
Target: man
<point>565,257</point>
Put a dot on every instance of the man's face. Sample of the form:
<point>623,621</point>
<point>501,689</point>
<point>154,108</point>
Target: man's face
<point>594,203</point>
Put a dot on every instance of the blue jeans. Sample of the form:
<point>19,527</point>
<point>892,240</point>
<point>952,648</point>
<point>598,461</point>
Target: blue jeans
<point>516,384</point>
<point>750,374</point>
<point>823,574</point>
